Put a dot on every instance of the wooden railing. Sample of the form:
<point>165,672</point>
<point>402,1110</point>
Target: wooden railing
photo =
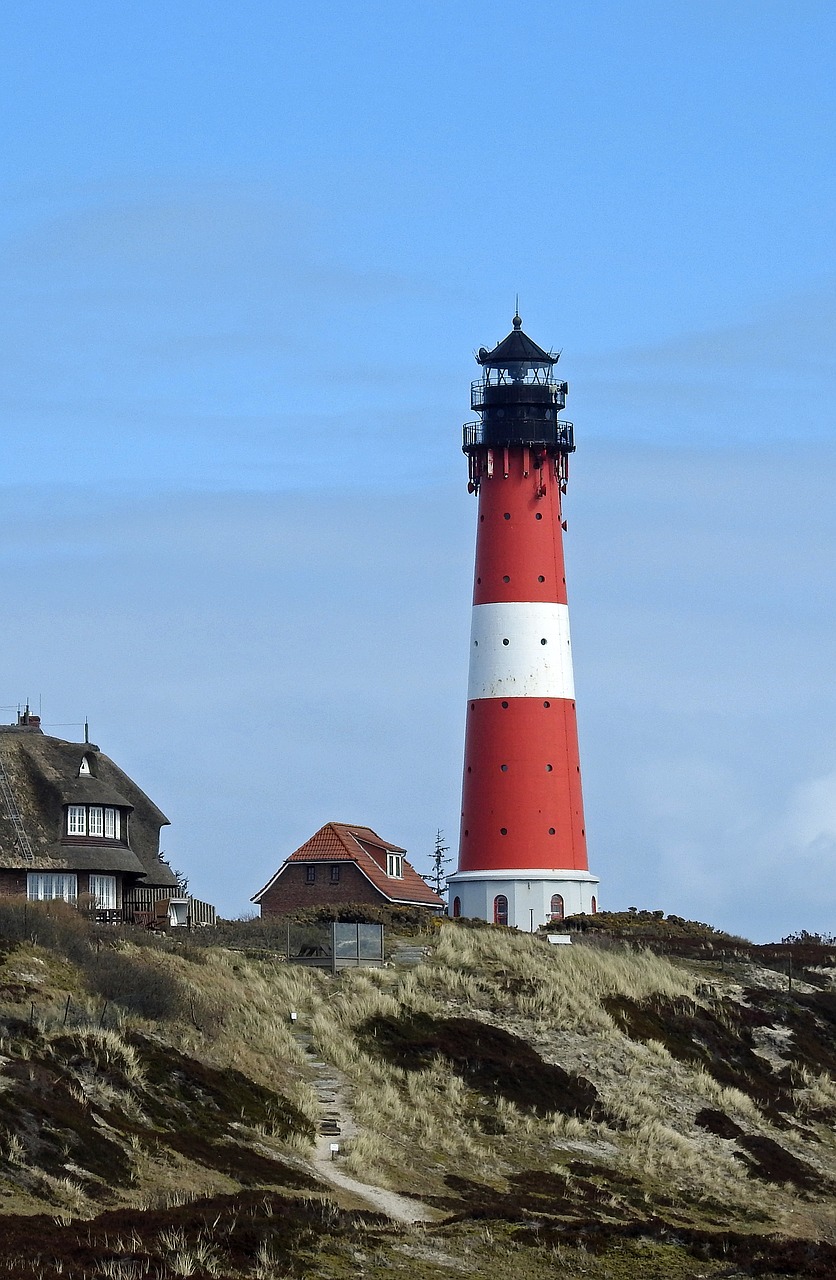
<point>140,907</point>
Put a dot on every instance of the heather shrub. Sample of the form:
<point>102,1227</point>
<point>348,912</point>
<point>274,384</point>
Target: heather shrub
<point>56,925</point>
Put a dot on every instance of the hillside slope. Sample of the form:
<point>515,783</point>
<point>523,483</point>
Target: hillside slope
<point>598,1109</point>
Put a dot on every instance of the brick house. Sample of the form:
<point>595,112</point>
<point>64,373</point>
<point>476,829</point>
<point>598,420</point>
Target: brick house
<point>343,864</point>
<point>73,823</point>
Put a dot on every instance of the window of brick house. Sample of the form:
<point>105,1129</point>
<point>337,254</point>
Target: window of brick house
<point>310,875</point>
<point>394,865</point>
<point>335,874</point>
<point>44,886</point>
<point>103,889</point>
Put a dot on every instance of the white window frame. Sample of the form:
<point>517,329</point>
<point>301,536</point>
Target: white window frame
<point>77,820</point>
<point>46,886</point>
<point>112,824</point>
<point>95,821</point>
<point>103,889</point>
<point>394,865</point>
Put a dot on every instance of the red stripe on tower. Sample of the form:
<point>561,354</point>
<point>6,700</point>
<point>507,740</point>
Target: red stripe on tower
<point>522,854</point>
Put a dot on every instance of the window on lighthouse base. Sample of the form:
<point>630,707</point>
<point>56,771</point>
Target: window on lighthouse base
<point>557,906</point>
<point>457,908</point>
<point>500,909</point>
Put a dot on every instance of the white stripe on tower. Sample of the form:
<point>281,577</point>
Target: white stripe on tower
<point>520,650</point>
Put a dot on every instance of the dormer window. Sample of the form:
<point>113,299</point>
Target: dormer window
<point>87,768</point>
<point>101,822</point>
<point>77,820</point>
<point>394,865</point>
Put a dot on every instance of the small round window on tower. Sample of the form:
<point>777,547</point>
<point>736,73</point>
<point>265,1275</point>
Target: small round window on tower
<point>507,515</point>
<point>504,768</point>
<point>506,578</point>
<point>551,831</point>
<point>506,641</point>
<point>505,706</point>
<point>503,831</point>
<point>549,768</point>
<point>538,515</point>
<point>540,578</point>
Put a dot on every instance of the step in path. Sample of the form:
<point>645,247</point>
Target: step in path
<point>336,1124</point>
<point>409,955</point>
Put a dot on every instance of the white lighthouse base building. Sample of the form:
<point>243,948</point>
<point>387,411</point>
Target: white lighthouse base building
<point>520,898</point>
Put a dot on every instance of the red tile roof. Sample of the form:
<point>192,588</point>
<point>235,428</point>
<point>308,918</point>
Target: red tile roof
<point>343,842</point>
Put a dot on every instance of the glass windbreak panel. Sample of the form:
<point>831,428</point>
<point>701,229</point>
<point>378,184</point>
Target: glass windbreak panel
<point>309,942</point>
<point>345,940</point>
<point>370,941</point>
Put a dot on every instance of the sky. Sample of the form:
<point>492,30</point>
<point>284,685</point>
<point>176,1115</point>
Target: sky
<point>247,253</point>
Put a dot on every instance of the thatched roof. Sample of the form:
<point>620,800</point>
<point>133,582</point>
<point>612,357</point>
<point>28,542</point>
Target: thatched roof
<point>44,775</point>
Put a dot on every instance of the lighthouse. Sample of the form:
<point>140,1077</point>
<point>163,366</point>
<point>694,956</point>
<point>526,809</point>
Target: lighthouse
<point>522,850</point>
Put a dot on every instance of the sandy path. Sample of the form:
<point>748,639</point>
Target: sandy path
<point>331,1088</point>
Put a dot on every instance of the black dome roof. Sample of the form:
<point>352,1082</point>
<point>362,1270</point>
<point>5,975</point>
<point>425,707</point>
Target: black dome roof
<point>516,347</point>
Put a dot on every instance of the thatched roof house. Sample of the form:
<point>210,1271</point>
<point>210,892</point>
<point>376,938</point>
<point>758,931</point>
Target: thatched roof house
<point>72,823</point>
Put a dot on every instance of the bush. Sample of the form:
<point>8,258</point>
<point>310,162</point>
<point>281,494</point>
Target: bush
<point>56,925</point>
<point>137,984</point>
<point>270,932</point>
<point>805,939</point>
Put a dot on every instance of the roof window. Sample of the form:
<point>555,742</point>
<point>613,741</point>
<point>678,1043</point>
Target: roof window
<point>101,822</point>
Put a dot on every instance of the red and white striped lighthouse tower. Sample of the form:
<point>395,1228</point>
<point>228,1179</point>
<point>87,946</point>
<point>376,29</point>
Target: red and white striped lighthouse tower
<point>522,853</point>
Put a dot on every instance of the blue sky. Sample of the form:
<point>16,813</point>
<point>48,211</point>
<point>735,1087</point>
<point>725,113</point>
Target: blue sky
<point>246,254</point>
